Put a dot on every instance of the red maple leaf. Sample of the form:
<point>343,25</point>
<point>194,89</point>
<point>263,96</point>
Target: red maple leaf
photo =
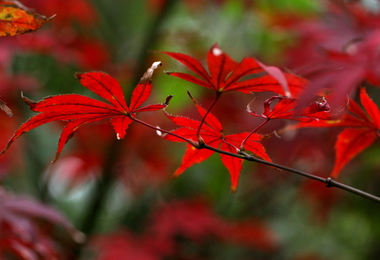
<point>16,19</point>
<point>212,134</point>
<point>287,108</point>
<point>79,110</point>
<point>226,74</point>
<point>362,128</point>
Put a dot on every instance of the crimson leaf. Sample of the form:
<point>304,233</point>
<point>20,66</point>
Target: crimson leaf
<point>212,134</point>
<point>362,129</point>
<point>226,74</point>
<point>286,108</point>
<point>79,110</point>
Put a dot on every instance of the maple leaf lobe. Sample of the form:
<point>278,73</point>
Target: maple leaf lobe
<point>281,107</point>
<point>361,123</point>
<point>225,74</point>
<point>211,134</point>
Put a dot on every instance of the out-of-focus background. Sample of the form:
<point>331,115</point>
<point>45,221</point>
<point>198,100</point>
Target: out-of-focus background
<point>122,196</point>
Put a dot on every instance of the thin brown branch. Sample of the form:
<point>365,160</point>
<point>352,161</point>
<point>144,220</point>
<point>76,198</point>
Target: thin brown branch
<point>248,157</point>
<point>242,146</point>
<point>200,139</point>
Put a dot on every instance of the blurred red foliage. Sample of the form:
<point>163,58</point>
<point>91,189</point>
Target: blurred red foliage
<point>338,50</point>
<point>67,12</point>
<point>28,228</point>
<point>175,226</point>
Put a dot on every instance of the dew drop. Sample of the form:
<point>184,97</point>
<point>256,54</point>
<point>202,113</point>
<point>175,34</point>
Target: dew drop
<point>216,51</point>
<point>158,132</point>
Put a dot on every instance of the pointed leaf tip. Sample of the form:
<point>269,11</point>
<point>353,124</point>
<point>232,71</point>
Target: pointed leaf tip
<point>26,100</point>
<point>278,75</point>
<point>248,108</point>
<point>192,98</point>
<point>147,77</point>
<point>168,98</point>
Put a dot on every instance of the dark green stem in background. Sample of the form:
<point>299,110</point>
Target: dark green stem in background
<point>108,175</point>
<point>102,188</point>
<point>152,34</point>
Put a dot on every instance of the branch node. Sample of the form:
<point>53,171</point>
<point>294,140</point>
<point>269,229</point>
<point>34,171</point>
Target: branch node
<point>201,141</point>
<point>196,145</point>
<point>329,182</point>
